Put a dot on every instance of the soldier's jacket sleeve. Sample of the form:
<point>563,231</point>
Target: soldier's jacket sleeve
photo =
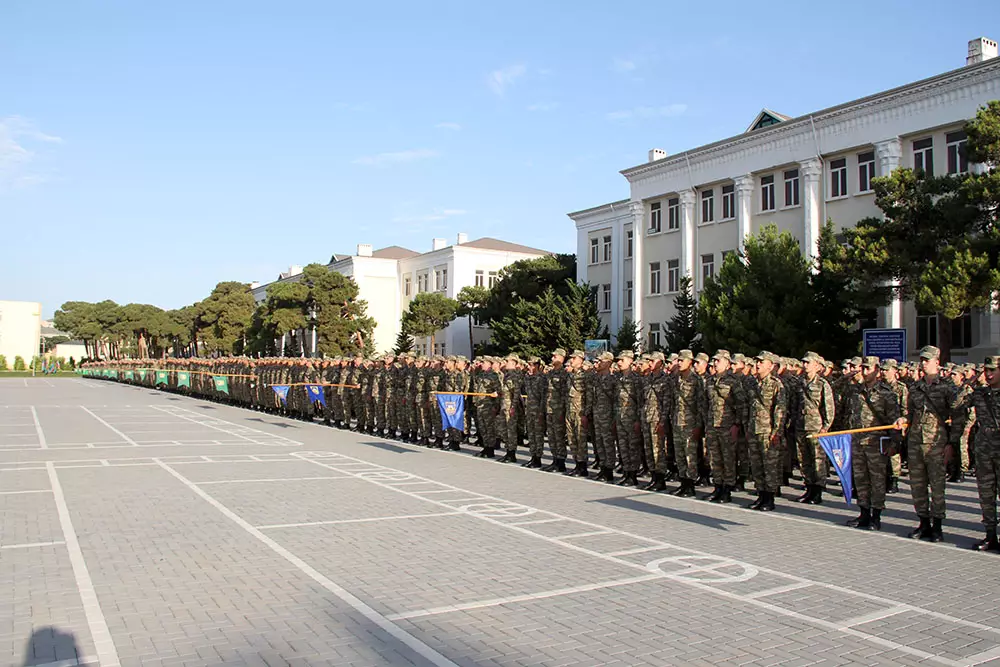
<point>779,409</point>
<point>828,404</point>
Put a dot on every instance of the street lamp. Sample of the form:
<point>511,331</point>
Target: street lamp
<point>312,321</point>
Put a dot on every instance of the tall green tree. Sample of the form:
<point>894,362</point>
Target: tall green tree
<point>682,330</point>
<point>628,336</point>
<point>472,300</point>
<point>428,313</point>
<point>939,239</point>
<point>526,279</point>
<point>342,324</point>
<point>404,343</point>
<point>225,317</point>
<point>284,311</point>
<point>551,320</point>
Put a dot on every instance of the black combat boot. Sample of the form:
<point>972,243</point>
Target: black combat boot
<point>643,470</point>
<point>989,543</point>
<point>727,495</point>
<point>579,470</point>
<point>607,475</point>
<point>741,485</point>
<point>454,447</point>
<point>936,534</point>
<point>487,453</point>
<point>876,520</point>
<point>817,498</point>
<point>557,465</point>
<point>807,495</point>
<point>715,495</point>
<point>757,503</point>
<point>629,479</point>
<point>670,475</point>
<point>658,483</point>
<point>893,486</point>
<point>509,457</point>
<point>863,520</point>
<point>533,462</point>
<point>768,504</point>
<point>686,490</point>
<point>923,531</point>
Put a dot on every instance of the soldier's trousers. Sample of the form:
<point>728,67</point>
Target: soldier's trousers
<point>576,436</point>
<point>766,462</point>
<point>534,425</point>
<point>492,422</point>
<point>896,464</point>
<point>510,434</point>
<point>655,443</point>
<point>416,415</point>
<point>629,442</point>
<point>987,475</point>
<point>604,442</point>
<point>558,435</point>
<point>927,471</point>
<point>813,462</point>
<point>437,424</point>
<point>963,451</point>
<point>869,465</point>
<point>742,456</point>
<point>723,456</point>
<point>686,453</point>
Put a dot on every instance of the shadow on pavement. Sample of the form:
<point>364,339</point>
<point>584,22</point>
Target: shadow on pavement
<point>49,645</point>
<point>278,424</point>
<point>637,505</point>
<point>389,447</point>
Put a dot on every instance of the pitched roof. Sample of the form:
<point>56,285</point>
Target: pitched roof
<point>394,252</point>
<point>487,243</point>
<point>766,118</point>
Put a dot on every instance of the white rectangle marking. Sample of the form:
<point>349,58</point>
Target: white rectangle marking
<point>112,428</point>
<point>270,479</point>
<point>29,545</point>
<point>334,522</point>
<point>38,429</point>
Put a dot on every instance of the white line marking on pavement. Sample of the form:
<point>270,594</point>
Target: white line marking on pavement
<point>531,523</point>
<point>335,522</point>
<point>113,429</point>
<point>18,493</point>
<point>270,479</point>
<point>874,616</point>
<point>527,597</point>
<point>378,619</point>
<point>107,654</point>
<point>592,533</point>
<point>30,545</point>
<point>72,662</point>
<point>979,658</point>
<point>38,429</point>
<point>629,552</point>
<point>778,589</point>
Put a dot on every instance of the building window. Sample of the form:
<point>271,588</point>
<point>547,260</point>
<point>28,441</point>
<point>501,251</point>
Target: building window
<point>958,163</point>
<point>927,330</point>
<point>439,348</point>
<point>961,331</point>
<point>791,188</point>
<point>673,214</point>
<point>923,157</point>
<point>726,253</point>
<point>607,248</point>
<point>708,206</point>
<point>866,171</point>
<point>728,202</point>
<point>654,336</point>
<point>480,278</point>
<point>421,283</point>
<point>767,193</point>
<point>655,287</point>
<point>605,298</point>
<point>628,243</point>
<point>654,218</point>
<point>407,285</point>
<point>707,268</point>
<point>440,280</point>
<point>838,178</point>
<point>595,250</point>
<point>628,293</point>
<point>673,275</point>
<point>493,278</point>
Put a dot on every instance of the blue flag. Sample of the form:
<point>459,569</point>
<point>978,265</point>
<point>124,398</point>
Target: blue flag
<point>452,410</point>
<point>316,394</point>
<point>838,449</point>
<point>282,391</point>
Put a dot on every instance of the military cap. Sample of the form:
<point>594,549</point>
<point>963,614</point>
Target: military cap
<point>626,354</point>
<point>534,360</point>
<point>812,356</point>
<point>888,364</point>
<point>512,357</point>
<point>559,352</point>
<point>578,353</point>
<point>673,357</point>
<point>461,358</point>
<point>869,362</point>
<point>656,356</point>
<point>739,358</point>
<point>768,356</point>
<point>855,361</point>
<point>845,363</point>
<point>721,354</point>
<point>930,352</point>
<point>827,363</point>
<point>605,356</point>
<point>991,363</point>
<point>686,354</point>
<point>702,357</point>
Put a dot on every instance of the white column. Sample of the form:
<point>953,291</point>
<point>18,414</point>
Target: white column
<point>812,177</point>
<point>889,153</point>
<point>638,211</point>
<point>744,210</point>
<point>688,223</point>
<point>617,260</point>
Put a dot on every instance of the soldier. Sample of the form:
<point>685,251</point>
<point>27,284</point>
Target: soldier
<point>814,413</point>
<point>627,420</point>
<point>576,396</point>
<point>743,369</point>
<point>871,403</point>
<point>510,411</point>
<point>984,403</point>
<point>492,385</point>
<point>654,422</point>
<point>723,406</point>
<point>890,378</point>
<point>687,422</point>
<point>605,388</point>
<point>765,415</point>
<point>960,463</point>
<point>556,394</point>
<point>534,409</point>
<point>932,403</point>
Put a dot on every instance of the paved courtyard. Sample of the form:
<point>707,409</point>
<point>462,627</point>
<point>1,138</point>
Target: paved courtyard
<point>143,528</point>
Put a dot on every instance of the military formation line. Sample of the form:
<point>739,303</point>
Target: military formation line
<point>725,420</point>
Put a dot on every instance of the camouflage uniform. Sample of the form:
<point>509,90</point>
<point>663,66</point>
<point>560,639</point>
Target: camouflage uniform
<point>723,409</point>
<point>605,387</point>
<point>815,409</point>
<point>901,392</point>
<point>576,434</point>
<point>984,403</point>
<point>765,415</point>
<point>627,423</point>
<point>654,408</point>
<point>870,405</point>
<point>686,417</point>
<point>510,408</point>
<point>557,381</point>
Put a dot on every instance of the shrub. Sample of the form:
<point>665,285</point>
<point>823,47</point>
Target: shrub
<point>19,363</point>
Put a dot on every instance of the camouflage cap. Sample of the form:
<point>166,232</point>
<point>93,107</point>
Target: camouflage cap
<point>512,357</point>
<point>578,354</point>
<point>930,352</point>
<point>685,354</point>
<point>673,357</point>
<point>869,362</point>
<point>991,363</point>
<point>559,352</point>
<point>656,356</point>
<point>534,360</point>
<point>768,356</point>
<point>739,358</point>
<point>855,361</point>
<point>701,357</point>
<point>845,364</point>
<point>605,356</point>
<point>626,354</point>
<point>461,358</point>
<point>722,354</point>
<point>888,364</point>
<point>812,356</point>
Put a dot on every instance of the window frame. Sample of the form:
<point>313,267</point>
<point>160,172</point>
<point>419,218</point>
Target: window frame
<point>629,243</point>
<point>655,274</point>
<point>710,264</point>
<point>653,335</point>
<point>925,149</point>
<point>707,198</point>
<point>629,294</point>
<point>839,185</point>
<point>492,278</point>
<point>655,218</point>
<point>606,253</point>
<point>673,276</point>
<point>407,285</point>
<point>792,186</point>
<point>480,279</point>
<point>673,214</point>
<point>606,298</point>
<point>728,202</point>
<point>930,323</point>
<point>955,147</point>
<point>767,193</point>
<point>866,172</point>
<point>595,250</point>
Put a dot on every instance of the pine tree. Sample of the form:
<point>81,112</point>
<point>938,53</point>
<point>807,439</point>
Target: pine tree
<point>628,336</point>
<point>404,343</point>
<point>682,330</point>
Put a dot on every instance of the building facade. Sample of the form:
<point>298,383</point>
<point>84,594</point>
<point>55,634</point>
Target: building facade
<point>687,211</point>
<point>389,278</point>
<point>20,330</point>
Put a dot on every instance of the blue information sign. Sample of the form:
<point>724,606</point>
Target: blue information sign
<point>885,343</point>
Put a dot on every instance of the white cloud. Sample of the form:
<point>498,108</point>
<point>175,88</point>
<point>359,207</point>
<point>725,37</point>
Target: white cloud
<point>543,106</point>
<point>436,214</point>
<point>502,79</point>
<point>397,157</point>
<point>623,65</point>
<point>448,126</point>
<point>16,154</point>
<point>642,113</point>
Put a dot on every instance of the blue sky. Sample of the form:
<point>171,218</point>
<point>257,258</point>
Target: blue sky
<point>151,150</point>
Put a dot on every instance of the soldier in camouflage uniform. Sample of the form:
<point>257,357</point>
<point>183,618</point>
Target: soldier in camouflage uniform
<point>813,409</point>
<point>556,389</point>
<point>743,369</point>
<point>654,395</point>
<point>723,409</point>
<point>534,409</point>
<point>510,412</point>
<point>605,388</point>
<point>491,384</point>
<point>576,397</point>
<point>890,377</point>
<point>984,404</point>
<point>960,463</point>
<point>687,419</point>
<point>765,416</point>
<point>932,402</point>
<point>627,422</point>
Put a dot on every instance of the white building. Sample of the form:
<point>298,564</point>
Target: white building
<point>692,208</point>
<point>389,278</point>
<point>20,330</point>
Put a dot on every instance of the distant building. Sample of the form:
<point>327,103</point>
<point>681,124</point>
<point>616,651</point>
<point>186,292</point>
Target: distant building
<point>20,330</point>
<point>390,277</point>
<point>688,210</point>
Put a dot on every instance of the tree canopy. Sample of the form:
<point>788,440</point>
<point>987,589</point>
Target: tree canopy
<point>428,313</point>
